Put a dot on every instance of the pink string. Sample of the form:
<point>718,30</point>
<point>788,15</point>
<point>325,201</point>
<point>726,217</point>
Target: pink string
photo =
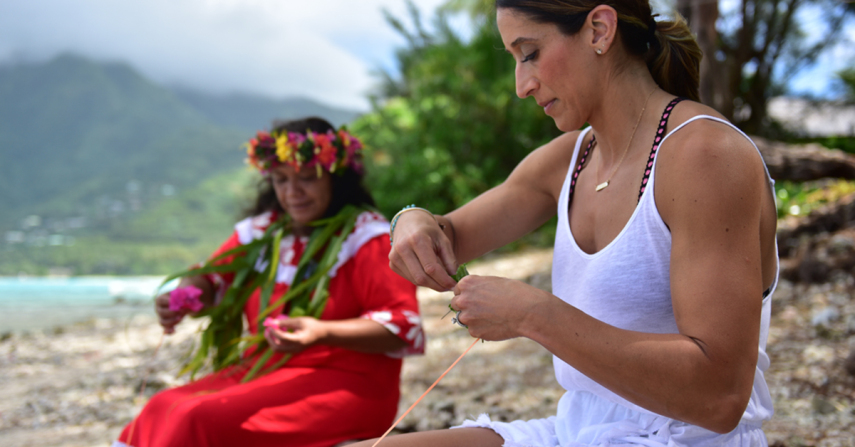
<point>425,393</point>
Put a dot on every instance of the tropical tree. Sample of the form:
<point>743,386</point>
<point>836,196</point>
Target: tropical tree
<point>750,48</point>
<point>450,125</point>
<point>847,78</point>
<point>753,48</point>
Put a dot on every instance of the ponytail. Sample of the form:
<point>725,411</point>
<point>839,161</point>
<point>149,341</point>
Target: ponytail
<point>674,59</point>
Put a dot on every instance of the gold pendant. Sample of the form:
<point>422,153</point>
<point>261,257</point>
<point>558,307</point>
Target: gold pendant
<point>602,186</point>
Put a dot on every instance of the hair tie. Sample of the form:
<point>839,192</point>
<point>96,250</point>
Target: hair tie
<point>652,41</point>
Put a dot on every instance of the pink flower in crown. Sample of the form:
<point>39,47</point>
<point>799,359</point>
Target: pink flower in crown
<point>352,149</point>
<point>185,298</point>
<point>351,145</point>
<point>264,150</point>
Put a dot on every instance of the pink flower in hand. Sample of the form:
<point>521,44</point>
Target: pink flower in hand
<point>185,298</point>
<point>273,322</point>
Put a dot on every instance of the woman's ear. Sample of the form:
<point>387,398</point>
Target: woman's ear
<point>602,27</point>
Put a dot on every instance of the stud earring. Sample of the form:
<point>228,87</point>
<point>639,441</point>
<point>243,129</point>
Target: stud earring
<point>599,51</point>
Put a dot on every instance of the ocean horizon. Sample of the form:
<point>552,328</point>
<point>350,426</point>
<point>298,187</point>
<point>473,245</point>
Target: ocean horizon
<point>33,303</point>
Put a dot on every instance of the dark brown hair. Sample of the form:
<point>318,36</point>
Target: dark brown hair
<point>347,185</point>
<point>668,47</point>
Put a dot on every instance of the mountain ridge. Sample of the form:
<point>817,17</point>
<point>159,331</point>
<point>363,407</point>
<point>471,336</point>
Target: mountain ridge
<point>71,125</point>
<point>104,171</point>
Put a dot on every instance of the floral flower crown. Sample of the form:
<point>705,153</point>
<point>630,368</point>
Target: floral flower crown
<point>330,151</point>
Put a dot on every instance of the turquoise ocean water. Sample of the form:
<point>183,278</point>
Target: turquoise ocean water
<point>37,303</point>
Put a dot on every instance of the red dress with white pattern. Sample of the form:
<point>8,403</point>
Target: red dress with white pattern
<point>323,395</point>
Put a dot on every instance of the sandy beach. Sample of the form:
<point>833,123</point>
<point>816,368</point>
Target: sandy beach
<point>78,385</point>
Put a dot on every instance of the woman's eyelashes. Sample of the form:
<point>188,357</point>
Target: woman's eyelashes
<point>529,57</point>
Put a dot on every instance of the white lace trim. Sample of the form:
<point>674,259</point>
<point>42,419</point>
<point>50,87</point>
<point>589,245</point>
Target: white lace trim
<point>253,228</point>
<point>368,226</point>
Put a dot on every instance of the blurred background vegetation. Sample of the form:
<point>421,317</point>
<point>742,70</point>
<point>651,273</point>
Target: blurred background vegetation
<point>105,172</point>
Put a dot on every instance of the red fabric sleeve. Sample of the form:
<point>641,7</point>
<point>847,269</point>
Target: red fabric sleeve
<point>386,297</point>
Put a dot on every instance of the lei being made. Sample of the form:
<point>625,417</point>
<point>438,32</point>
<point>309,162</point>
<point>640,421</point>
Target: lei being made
<point>223,342</point>
<point>330,151</point>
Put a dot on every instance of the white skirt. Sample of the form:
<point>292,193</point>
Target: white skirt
<point>584,419</point>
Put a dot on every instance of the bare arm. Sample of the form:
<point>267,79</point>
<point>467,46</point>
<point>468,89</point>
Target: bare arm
<point>357,334</point>
<point>709,190</point>
<point>427,255</point>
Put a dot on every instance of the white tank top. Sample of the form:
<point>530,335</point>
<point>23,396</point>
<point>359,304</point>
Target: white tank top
<point>627,285</point>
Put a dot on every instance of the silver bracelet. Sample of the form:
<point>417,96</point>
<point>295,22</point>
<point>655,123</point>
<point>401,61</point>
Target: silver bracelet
<point>404,210</point>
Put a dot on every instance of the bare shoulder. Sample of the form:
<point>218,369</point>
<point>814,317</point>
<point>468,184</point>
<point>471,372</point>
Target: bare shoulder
<point>706,145</point>
<point>546,167</point>
<point>706,161</point>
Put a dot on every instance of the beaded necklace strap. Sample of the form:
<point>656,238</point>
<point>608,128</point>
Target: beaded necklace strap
<point>579,170</point>
<point>660,134</point>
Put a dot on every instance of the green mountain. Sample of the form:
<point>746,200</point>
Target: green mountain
<point>76,135</point>
<point>116,173</point>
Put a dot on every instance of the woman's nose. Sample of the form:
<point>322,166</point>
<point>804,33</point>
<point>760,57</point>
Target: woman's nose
<point>526,84</point>
<point>293,189</point>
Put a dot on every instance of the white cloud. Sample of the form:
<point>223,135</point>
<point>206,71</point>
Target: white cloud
<point>322,49</point>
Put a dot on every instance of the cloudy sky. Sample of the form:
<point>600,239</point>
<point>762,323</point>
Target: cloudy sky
<point>324,49</point>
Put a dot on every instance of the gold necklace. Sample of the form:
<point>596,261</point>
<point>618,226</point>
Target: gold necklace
<point>603,185</point>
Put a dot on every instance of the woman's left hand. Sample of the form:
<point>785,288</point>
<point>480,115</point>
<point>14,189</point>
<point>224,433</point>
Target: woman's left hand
<point>295,334</point>
<point>494,308</point>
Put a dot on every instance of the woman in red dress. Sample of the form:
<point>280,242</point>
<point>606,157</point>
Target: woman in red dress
<point>342,381</point>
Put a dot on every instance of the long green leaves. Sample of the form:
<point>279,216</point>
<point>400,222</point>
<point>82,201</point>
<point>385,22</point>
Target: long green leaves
<point>223,342</point>
<point>308,292</point>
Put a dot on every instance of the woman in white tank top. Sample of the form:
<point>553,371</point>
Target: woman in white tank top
<point>665,257</point>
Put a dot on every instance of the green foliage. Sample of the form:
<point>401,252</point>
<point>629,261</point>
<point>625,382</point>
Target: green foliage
<point>847,77</point>
<point>799,199</point>
<point>844,143</point>
<point>451,126</point>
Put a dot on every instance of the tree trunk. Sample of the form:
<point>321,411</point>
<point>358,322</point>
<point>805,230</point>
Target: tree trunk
<point>714,89</point>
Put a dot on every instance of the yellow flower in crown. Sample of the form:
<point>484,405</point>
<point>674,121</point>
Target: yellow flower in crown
<point>284,150</point>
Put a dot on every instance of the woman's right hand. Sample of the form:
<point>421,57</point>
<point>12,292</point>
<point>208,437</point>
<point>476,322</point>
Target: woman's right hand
<point>167,318</point>
<point>422,253</point>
